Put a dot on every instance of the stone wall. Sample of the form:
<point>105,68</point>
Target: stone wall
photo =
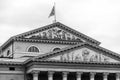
<point>20,48</point>
<point>7,74</point>
<point>11,77</point>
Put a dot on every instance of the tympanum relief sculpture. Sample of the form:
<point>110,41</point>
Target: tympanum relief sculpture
<point>86,55</point>
<point>54,33</point>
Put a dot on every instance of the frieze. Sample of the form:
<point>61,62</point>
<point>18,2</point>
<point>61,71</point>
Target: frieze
<point>85,55</point>
<point>54,33</point>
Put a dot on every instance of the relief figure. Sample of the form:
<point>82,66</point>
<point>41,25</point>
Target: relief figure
<point>63,35</point>
<point>73,37</point>
<point>61,57</point>
<point>39,36</point>
<point>56,33</point>
<point>68,37</point>
<point>96,58</point>
<point>85,55</point>
<point>50,34</point>
<point>78,58</point>
<point>106,59</point>
<point>44,35</point>
<point>92,58</point>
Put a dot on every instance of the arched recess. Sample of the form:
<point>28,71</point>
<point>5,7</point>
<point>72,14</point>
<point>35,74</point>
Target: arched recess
<point>33,49</point>
<point>55,49</point>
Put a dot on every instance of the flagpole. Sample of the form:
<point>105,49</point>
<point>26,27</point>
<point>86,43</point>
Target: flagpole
<point>55,12</point>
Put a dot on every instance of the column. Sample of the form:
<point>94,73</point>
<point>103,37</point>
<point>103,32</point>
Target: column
<point>50,75</point>
<point>92,76</point>
<point>105,76</point>
<point>35,75</point>
<point>65,75</point>
<point>117,76</point>
<point>78,75</point>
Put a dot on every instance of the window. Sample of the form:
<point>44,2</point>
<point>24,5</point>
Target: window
<point>12,68</point>
<point>8,52</point>
<point>33,49</point>
<point>55,49</point>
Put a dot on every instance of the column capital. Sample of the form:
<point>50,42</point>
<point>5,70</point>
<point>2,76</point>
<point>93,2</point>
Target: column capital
<point>35,72</point>
<point>50,75</point>
<point>35,75</point>
<point>79,73</point>
<point>51,72</point>
<point>65,73</point>
<point>105,73</point>
<point>118,74</point>
<point>92,73</point>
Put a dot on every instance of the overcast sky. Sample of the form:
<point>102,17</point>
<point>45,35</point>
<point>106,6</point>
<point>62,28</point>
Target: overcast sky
<point>99,19</point>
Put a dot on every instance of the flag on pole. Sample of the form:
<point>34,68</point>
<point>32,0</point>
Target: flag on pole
<point>52,12</point>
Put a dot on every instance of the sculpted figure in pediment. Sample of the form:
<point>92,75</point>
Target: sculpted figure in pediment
<point>50,34</point>
<point>85,55</point>
<point>44,35</point>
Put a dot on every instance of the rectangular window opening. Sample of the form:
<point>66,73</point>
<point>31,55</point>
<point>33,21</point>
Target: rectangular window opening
<point>12,68</point>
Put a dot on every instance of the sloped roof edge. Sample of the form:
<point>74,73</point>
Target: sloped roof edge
<point>79,33</point>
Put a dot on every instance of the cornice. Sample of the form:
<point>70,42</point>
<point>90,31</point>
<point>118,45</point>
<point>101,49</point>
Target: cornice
<point>48,41</point>
<point>73,64</point>
<point>11,63</point>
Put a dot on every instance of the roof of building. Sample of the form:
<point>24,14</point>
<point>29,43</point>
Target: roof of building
<point>20,37</point>
<point>43,58</point>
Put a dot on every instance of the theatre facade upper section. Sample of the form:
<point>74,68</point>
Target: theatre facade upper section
<point>44,39</point>
<point>57,32</point>
<point>84,52</point>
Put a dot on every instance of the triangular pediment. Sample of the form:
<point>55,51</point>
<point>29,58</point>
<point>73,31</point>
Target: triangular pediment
<point>84,53</point>
<point>55,34</point>
<point>57,31</point>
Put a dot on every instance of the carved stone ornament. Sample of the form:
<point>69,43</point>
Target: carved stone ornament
<point>54,33</point>
<point>85,54</point>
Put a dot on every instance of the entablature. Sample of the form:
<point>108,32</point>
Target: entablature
<point>72,67</point>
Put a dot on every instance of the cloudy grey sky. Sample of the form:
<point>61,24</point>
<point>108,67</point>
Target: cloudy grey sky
<point>99,19</point>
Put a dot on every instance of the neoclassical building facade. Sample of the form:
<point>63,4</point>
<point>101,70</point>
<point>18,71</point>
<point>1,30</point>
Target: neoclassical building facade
<point>57,52</point>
